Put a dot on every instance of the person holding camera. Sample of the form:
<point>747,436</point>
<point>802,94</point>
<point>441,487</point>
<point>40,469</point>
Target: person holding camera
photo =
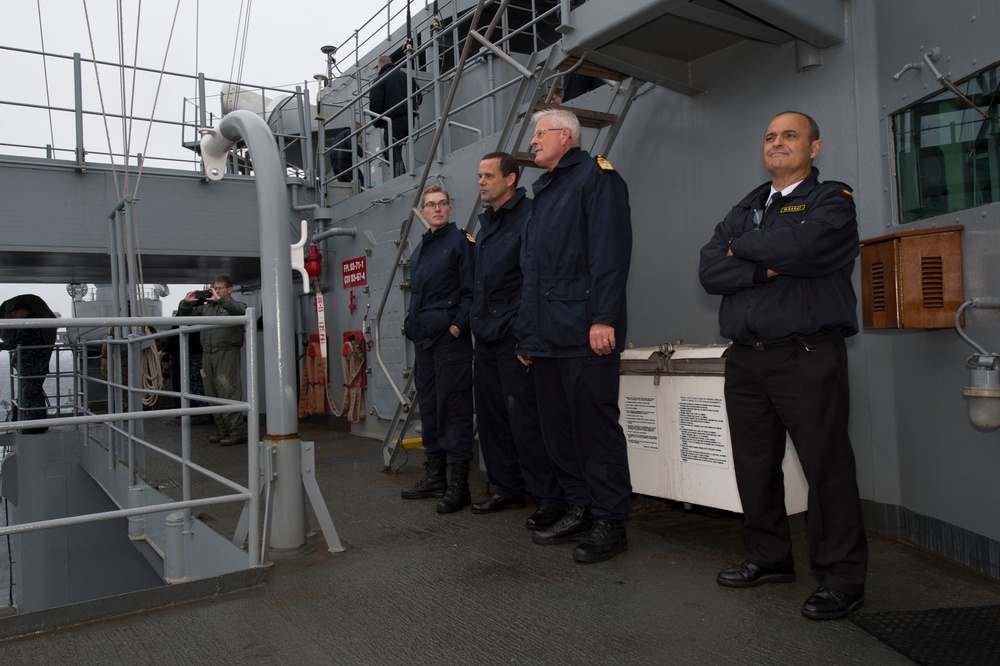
<point>221,352</point>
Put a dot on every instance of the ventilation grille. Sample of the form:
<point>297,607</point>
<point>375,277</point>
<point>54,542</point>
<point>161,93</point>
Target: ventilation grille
<point>932,282</point>
<point>878,286</point>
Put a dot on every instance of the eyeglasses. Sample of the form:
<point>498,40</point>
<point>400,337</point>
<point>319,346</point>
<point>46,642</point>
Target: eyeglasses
<point>539,133</point>
<point>435,204</point>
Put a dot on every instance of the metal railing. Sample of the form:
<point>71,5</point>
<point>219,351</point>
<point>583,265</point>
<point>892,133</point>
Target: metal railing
<point>88,127</point>
<point>117,433</point>
<point>422,64</point>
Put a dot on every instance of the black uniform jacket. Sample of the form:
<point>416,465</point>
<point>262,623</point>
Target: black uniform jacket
<point>810,238</point>
<point>575,256</point>
<point>498,268</point>
<point>442,270</point>
<point>388,90</point>
<point>29,362</point>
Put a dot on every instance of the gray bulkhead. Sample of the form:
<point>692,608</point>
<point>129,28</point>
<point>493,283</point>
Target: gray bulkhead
<point>925,472</point>
<point>689,149</point>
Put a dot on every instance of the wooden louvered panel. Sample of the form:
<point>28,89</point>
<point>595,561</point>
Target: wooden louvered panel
<point>879,276</point>
<point>912,279</point>
<point>878,286</point>
<point>932,282</point>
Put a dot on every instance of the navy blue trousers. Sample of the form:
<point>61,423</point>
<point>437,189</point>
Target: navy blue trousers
<point>443,378</point>
<point>510,436</point>
<point>787,388</point>
<point>578,410</point>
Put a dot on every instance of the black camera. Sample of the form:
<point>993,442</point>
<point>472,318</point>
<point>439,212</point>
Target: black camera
<point>203,294</point>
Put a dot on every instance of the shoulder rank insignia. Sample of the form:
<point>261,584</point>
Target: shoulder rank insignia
<point>604,164</point>
<point>469,236</point>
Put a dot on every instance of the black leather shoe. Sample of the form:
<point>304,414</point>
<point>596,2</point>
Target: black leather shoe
<point>545,516</point>
<point>496,503</point>
<point>573,526</point>
<point>749,574</point>
<point>606,539</point>
<point>829,604</point>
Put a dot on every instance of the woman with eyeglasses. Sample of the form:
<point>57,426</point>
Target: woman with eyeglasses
<point>437,321</point>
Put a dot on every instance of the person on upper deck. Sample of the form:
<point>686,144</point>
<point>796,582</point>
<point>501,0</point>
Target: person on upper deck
<point>437,321</point>
<point>782,261</point>
<point>571,327</point>
<point>506,405</point>
<point>388,96</point>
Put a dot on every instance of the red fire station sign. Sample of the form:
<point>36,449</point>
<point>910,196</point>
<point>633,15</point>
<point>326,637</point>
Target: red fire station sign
<point>355,272</point>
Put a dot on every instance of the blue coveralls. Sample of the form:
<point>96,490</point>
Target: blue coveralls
<point>506,407</point>
<point>787,369</point>
<point>575,256</point>
<point>441,277</point>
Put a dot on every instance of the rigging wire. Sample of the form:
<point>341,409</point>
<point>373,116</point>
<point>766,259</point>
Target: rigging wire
<point>100,96</point>
<point>156,96</point>
<point>45,70</point>
<point>242,30</point>
<point>135,72</point>
<point>239,22</point>
<point>121,90</point>
<point>246,35</point>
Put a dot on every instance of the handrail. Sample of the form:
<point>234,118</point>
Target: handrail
<point>68,108</point>
<point>114,420</point>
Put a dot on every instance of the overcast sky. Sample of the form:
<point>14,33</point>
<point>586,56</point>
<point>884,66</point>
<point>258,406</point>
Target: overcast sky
<point>282,49</point>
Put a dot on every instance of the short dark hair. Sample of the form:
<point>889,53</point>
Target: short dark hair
<point>813,127</point>
<point>508,164</point>
<point>225,280</point>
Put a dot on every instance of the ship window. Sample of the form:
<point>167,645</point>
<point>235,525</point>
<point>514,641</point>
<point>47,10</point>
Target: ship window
<point>947,152</point>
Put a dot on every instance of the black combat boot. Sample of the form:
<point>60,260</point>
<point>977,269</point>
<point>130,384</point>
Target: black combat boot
<point>432,484</point>
<point>606,539</point>
<point>457,496</point>
<point>573,526</point>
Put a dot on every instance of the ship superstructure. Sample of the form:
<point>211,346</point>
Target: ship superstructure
<point>905,94</point>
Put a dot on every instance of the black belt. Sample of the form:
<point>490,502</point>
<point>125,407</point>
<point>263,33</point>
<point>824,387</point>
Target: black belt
<point>804,340</point>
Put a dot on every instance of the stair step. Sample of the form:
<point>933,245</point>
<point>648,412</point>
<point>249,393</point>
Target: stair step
<point>590,69</point>
<point>587,118</point>
<point>525,160</point>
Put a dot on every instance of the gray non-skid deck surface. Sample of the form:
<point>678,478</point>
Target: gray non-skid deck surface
<point>414,587</point>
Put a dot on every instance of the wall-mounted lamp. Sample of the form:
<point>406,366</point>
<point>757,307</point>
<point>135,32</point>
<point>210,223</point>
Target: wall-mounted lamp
<point>983,390</point>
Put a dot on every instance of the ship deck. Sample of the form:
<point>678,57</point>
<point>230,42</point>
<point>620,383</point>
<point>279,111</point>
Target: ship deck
<point>416,587</point>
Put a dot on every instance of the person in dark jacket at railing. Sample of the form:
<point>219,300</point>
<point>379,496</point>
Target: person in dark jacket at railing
<point>437,321</point>
<point>31,362</point>
<point>222,350</point>
<point>782,261</point>
<point>388,96</point>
